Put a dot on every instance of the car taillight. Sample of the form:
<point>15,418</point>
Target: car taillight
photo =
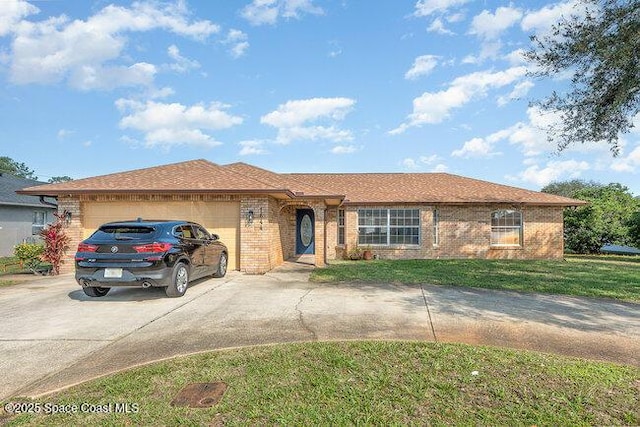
<point>84,247</point>
<point>154,247</point>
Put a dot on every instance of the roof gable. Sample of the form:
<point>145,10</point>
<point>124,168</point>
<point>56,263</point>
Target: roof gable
<point>184,177</point>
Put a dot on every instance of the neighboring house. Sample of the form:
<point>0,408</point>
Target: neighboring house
<point>21,216</point>
<point>266,217</point>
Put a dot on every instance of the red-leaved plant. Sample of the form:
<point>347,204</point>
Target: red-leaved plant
<point>56,242</point>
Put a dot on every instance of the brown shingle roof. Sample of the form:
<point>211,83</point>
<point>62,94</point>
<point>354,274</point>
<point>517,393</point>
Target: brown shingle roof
<point>299,187</point>
<point>363,188</point>
<point>185,177</point>
<point>202,176</point>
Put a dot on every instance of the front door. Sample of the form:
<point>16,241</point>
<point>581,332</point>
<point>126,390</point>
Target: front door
<point>305,231</point>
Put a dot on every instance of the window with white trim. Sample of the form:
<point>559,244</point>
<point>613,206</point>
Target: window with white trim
<point>38,223</point>
<point>506,228</point>
<point>388,226</point>
<point>341,226</point>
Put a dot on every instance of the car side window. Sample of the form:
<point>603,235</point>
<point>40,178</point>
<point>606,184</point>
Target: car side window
<point>201,233</point>
<point>183,231</point>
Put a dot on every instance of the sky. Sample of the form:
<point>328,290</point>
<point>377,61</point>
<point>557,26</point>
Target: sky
<point>97,87</point>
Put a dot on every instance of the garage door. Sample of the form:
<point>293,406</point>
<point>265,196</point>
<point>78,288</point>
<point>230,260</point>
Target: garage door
<point>222,218</point>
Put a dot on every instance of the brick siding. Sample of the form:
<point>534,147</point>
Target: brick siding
<point>464,232</point>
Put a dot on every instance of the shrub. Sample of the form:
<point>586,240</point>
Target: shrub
<point>29,254</point>
<point>56,242</point>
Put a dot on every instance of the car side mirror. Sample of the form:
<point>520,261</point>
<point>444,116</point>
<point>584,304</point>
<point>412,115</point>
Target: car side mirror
<point>215,237</point>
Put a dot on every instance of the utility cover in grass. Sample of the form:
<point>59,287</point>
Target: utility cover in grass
<point>200,395</point>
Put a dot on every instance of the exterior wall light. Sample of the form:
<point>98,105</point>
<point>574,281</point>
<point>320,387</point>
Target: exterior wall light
<point>249,217</point>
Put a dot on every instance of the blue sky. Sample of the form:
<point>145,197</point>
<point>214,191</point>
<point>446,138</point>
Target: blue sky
<point>96,87</point>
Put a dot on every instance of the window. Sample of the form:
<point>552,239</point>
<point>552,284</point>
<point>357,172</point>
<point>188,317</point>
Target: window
<point>341,226</point>
<point>436,225</point>
<point>200,233</point>
<point>389,226</point>
<point>506,228</point>
<point>39,220</point>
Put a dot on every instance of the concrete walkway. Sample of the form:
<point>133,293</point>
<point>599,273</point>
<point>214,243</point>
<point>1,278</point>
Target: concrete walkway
<point>53,336</point>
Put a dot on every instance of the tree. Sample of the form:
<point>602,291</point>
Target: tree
<point>55,179</point>
<point>10,166</point>
<point>569,188</point>
<point>601,50</point>
<point>605,220</point>
<point>634,229</point>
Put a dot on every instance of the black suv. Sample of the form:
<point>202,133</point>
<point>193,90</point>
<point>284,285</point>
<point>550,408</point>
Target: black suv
<point>148,253</point>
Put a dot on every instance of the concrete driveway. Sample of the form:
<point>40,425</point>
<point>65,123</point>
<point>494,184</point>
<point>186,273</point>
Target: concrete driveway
<point>53,336</point>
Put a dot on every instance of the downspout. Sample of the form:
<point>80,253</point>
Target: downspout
<point>44,202</point>
<point>326,210</point>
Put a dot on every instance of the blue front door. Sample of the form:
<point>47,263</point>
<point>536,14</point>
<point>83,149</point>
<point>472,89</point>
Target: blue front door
<point>305,231</point>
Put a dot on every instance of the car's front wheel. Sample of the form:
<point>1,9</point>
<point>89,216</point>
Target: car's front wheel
<point>222,266</point>
<point>179,281</point>
<point>95,291</point>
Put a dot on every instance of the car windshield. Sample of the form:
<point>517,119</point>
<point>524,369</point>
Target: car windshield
<point>119,232</point>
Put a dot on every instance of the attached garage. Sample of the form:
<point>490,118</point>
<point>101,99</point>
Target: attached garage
<point>221,218</point>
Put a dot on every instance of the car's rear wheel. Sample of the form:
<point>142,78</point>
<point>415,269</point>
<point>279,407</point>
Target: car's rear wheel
<point>179,281</point>
<point>222,266</point>
<point>95,291</point>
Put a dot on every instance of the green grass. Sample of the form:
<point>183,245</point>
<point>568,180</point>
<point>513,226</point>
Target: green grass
<point>606,277</point>
<point>366,383</point>
<point>10,265</point>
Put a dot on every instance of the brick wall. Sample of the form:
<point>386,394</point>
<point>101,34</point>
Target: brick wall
<point>464,232</point>
<point>255,236</point>
<point>73,230</point>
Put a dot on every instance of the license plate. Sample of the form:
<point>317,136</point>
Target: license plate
<point>112,273</point>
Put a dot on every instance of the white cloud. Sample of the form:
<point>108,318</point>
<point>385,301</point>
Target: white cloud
<point>519,90</point>
<point>422,66</point>
<point>488,50</point>
<point>437,26</point>
<point>89,77</point>
<point>260,12</point>
<point>428,160</point>
<point>167,125</point>
<point>629,163</point>
<point>64,133</point>
<point>475,147</point>
<point>238,42</point>
<point>294,119</point>
<point>440,168</point>
<point>429,7</point>
<point>409,163</point>
<point>540,21</point>
<point>414,164</point>
<point>181,64</point>
<point>435,107</point>
<point>482,147</point>
<point>12,12</point>
<point>516,57</point>
<point>86,52</point>
<point>344,149</point>
<point>252,147</point>
<point>552,171</point>
<point>490,26</point>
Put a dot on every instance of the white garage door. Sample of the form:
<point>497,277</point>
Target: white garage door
<point>221,218</point>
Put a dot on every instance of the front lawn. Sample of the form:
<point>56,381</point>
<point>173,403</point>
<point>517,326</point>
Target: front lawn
<point>363,383</point>
<point>607,277</point>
